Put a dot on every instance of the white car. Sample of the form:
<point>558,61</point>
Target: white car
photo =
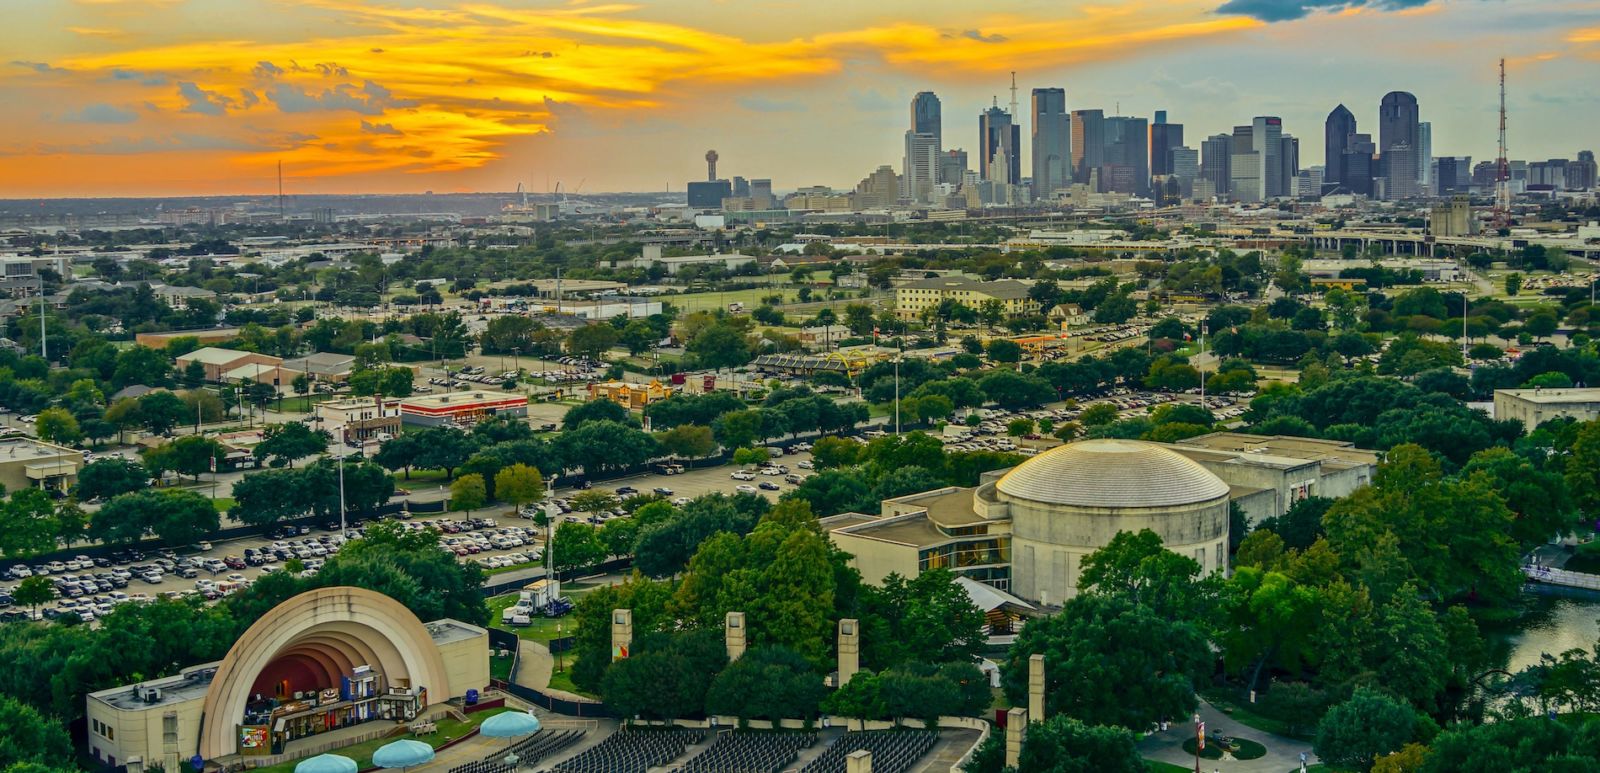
<point>771,471</point>
<point>805,464</point>
<point>743,475</point>
<point>745,488</point>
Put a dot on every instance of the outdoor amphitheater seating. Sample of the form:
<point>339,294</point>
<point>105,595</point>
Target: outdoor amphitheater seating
<point>749,751</point>
<point>632,751</point>
<point>528,750</point>
<point>893,751</point>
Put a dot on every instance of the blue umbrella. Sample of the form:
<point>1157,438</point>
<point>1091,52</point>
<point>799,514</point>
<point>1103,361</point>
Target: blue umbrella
<point>403,753</point>
<point>327,763</point>
<point>509,724</point>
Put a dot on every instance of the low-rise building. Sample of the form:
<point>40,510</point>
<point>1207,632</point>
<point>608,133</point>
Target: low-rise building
<point>460,408</point>
<point>634,397</point>
<point>322,367</point>
<point>29,463</point>
<point>219,362</point>
<point>1267,475</point>
<point>206,336</point>
<point>912,298</point>
<point>358,419</point>
<point>1533,407</point>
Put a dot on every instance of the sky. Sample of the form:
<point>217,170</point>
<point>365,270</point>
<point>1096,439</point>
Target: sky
<point>207,97</point>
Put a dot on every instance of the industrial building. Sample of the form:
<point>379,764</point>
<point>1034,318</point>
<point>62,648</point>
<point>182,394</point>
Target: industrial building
<point>307,675</point>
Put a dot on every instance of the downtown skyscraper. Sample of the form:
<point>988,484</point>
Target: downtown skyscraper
<point>920,166</point>
<point>1052,142</point>
<point>1337,133</point>
<point>999,145</point>
<point>1163,138</point>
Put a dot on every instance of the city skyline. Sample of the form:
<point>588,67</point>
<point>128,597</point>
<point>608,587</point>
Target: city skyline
<point>175,97</point>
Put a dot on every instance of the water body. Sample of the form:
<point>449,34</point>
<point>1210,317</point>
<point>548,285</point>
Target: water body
<point>1554,624</point>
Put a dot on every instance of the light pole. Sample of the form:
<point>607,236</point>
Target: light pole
<point>341,497</point>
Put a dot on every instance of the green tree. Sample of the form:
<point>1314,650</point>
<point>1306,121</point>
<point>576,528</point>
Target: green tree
<point>1098,415</point>
<point>1065,745</point>
<point>769,683</point>
<point>719,346</point>
<point>467,493</point>
<point>281,444</point>
<point>592,341</point>
<point>124,414</point>
<point>1004,350</point>
<point>194,374</point>
<point>1136,567</point>
<point>603,446</point>
<point>187,455</point>
<point>596,410</point>
<point>519,484</point>
<point>159,412</point>
<point>1111,661</point>
<point>1513,283</point>
<point>927,619</point>
<point>576,546</point>
<point>176,517</point>
<point>1020,426</point>
<point>33,591</point>
<point>1370,724</point>
<point>56,425</point>
<point>110,476</point>
<point>441,448</point>
<point>31,739</point>
<point>687,441</point>
<point>269,496</point>
<point>1014,390</point>
<point>401,453</point>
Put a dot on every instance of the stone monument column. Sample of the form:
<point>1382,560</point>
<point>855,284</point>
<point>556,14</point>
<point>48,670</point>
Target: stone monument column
<point>1016,731</point>
<point>734,635</point>
<point>1036,688</point>
<point>849,650</point>
<point>858,761</point>
<point>621,633</point>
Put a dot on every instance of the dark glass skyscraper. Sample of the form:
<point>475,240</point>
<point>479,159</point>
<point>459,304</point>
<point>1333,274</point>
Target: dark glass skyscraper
<point>1088,143</point>
<point>999,139</point>
<point>1336,133</point>
<point>1052,142</point>
<point>1397,121</point>
<point>927,117</point>
<point>1163,138</point>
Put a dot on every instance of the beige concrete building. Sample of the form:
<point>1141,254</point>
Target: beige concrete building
<point>912,298</point>
<point>29,463</point>
<point>1267,475</point>
<point>1533,407</point>
<point>312,669</point>
<point>357,419</point>
<point>1027,530</point>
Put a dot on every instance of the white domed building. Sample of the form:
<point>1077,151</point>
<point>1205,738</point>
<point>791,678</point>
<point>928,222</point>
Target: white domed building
<point>1027,530</point>
<point>1072,500</point>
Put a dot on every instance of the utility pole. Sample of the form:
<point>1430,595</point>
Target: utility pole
<point>341,497</point>
<point>44,351</point>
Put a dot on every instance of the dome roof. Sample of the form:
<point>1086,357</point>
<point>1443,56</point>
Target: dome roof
<point>1112,473</point>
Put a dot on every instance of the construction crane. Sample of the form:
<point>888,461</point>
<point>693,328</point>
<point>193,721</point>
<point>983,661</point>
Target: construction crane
<point>1502,188</point>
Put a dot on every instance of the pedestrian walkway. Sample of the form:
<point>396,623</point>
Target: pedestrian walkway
<point>535,664</point>
<point>1283,754</point>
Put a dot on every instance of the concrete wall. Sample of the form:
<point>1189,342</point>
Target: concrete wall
<point>876,559</point>
<point>1507,405</point>
<point>1049,542</point>
<point>466,661</point>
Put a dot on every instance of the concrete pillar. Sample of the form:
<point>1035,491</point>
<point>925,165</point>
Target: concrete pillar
<point>1016,731</point>
<point>858,761</point>
<point>734,634</point>
<point>621,633</point>
<point>849,650</point>
<point>1036,688</point>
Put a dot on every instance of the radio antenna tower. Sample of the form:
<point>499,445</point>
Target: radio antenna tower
<point>1013,95</point>
<point>1502,192</point>
<point>280,190</point>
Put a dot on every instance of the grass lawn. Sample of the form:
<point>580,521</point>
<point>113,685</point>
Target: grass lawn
<point>1226,702</point>
<point>300,403</point>
<point>1157,766</point>
<point>543,629</point>
<point>224,504</point>
<point>449,730</point>
<point>706,301</point>
<point>417,477</point>
<point>500,668</point>
<point>562,680</point>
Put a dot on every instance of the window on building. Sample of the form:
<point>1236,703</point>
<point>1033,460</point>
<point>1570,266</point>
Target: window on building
<point>169,727</point>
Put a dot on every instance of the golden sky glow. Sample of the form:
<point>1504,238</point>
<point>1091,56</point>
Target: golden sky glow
<point>207,96</point>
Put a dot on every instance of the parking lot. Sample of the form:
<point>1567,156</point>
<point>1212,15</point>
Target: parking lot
<point>489,536</point>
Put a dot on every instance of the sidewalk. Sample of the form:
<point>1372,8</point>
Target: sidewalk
<point>1283,754</point>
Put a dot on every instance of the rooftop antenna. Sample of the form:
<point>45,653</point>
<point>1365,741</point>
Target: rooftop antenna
<point>1013,93</point>
<point>1502,193</point>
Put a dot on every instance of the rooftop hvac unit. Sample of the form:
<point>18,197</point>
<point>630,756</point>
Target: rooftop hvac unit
<point>150,694</point>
